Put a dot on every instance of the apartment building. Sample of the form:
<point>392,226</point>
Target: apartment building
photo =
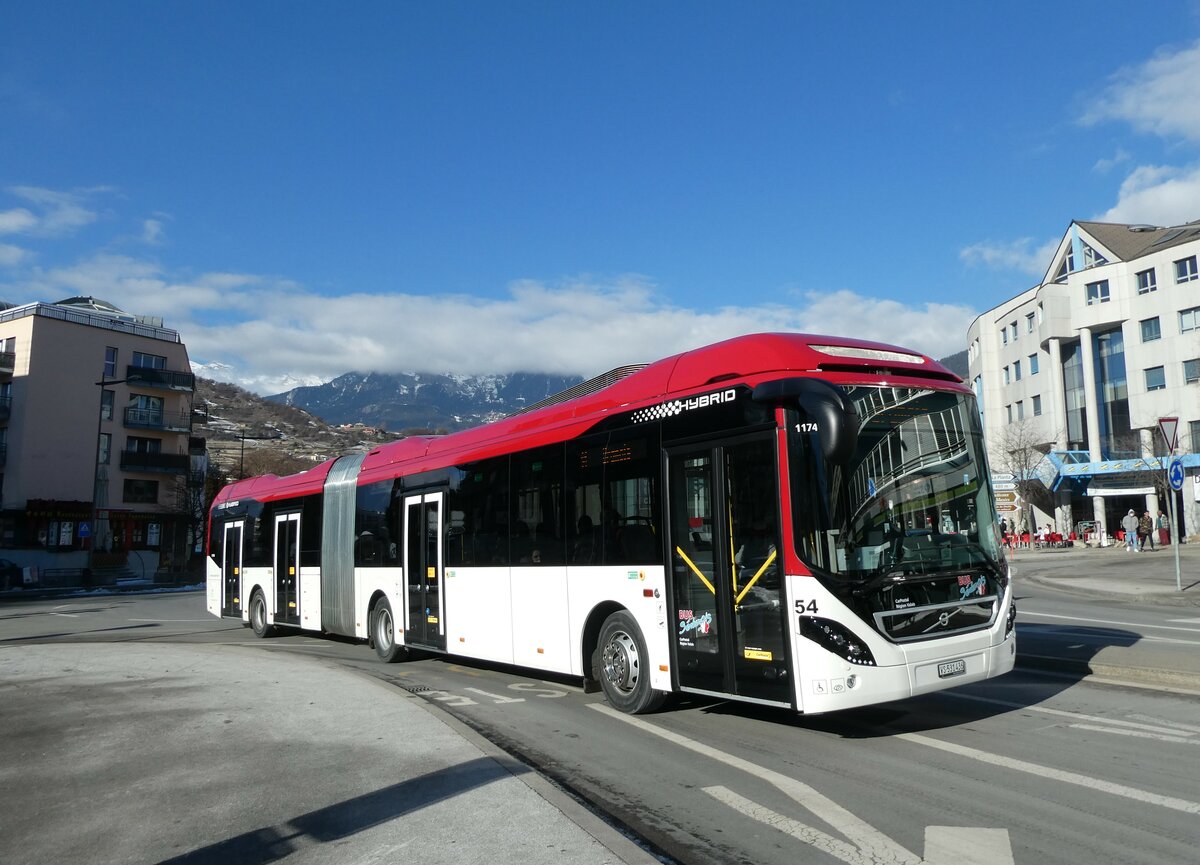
<point>1074,374</point>
<point>96,435</point>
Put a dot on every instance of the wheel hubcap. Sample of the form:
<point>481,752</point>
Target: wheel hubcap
<point>383,634</point>
<point>621,663</point>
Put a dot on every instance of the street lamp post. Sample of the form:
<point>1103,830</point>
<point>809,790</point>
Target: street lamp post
<point>104,382</point>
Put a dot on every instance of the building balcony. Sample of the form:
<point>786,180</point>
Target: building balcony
<point>8,362</point>
<point>138,461</point>
<point>5,407</point>
<point>164,379</point>
<point>144,418</point>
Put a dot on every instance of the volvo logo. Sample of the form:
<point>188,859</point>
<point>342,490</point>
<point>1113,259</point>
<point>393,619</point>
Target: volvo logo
<point>944,619</point>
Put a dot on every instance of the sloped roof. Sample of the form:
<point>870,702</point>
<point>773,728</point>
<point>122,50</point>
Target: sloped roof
<point>1129,242</point>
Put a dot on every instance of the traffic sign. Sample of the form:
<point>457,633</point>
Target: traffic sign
<point>1003,476</point>
<point>1175,474</point>
<point>1006,508</point>
<point>1006,485</point>
<point>1169,427</point>
<point>85,530</point>
<point>1007,496</point>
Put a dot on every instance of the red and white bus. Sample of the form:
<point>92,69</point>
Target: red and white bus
<point>796,520</point>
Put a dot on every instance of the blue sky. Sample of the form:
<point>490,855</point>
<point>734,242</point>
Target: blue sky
<point>307,188</point>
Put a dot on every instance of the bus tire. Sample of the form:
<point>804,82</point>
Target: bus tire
<point>621,665</point>
<point>258,616</point>
<point>383,633</point>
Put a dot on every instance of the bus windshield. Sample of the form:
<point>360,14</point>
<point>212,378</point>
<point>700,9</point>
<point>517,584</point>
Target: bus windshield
<point>910,499</point>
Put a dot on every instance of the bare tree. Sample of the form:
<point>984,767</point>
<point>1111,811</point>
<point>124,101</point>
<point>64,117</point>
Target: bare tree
<point>1017,450</point>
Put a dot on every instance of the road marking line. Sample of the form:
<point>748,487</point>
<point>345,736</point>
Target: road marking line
<point>1154,727</point>
<point>1185,621</point>
<point>1138,734</point>
<point>1159,723</point>
<point>496,698</point>
<point>801,831</point>
<point>868,839</point>
<point>965,845</point>
<point>1056,774</point>
<point>1025,614</point>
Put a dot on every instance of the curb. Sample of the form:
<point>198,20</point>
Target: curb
<point>1116,674</point>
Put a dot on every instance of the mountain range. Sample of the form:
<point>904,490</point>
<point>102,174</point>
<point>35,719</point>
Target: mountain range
<point>415,402</point>
<point>420,401</point>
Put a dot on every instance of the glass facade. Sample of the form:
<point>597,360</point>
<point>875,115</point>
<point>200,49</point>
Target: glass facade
<point>1116,440</point>
<point>1073,396</point>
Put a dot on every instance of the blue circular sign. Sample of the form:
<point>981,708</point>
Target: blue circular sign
<point>1175,474</point>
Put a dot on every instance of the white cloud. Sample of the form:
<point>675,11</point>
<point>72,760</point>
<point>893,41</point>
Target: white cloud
<point>16,221</point>
<point>58,213</point>
<point>11,256</point>
<point>1024,255</point>
<point>1103,166</point>
<point>152,232</point>
<point>579,327</point>
<point>1158,195</point>
<point>273,331</point>
<point>1159,96</point>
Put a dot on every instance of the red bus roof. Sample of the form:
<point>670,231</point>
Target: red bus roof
<point>741,360</point>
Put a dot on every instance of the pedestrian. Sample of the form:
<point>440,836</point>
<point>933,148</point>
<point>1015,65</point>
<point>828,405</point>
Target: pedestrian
<point>1146,530</point>
<point>1129,524</point>
<point>1164,529</point>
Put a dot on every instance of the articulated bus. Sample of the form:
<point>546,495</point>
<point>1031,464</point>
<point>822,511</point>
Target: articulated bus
<point>794,520</point>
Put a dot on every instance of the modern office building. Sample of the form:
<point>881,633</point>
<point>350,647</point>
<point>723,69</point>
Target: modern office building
<point>1074,374</point>
<point>96,434</point>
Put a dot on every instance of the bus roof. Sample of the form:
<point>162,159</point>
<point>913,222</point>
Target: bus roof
<point>741,360</point>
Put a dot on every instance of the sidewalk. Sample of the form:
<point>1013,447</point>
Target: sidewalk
<point>1113,573</point>
<point>141,753</point>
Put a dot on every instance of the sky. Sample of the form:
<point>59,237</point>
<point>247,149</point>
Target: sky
<point>304,189</point>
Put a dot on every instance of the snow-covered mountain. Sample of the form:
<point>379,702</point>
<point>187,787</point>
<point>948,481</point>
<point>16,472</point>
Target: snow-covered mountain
<point>421,400</point>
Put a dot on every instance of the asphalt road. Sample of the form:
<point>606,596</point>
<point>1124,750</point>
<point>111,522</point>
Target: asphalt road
<point>1030,768</point>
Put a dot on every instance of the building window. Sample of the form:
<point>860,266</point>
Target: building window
<point>1013,327</point>
<point>1041,313</point>
<point>1185,269</point>
<point>141,492</point>
<point>1008,412</point>
<point>1151,329</point>
<point>1194,434</point>
<point>1037,406</point>
<point>1033,364</point>
<point>139,445</point>
<point>110,362</point>
<point>149,361</point>
<point>1016,370</point>
<point>1097,292</point>
<point>106,404</point>
<point>1004,335</point>
<point>1191,370</point>
<point>1189,319</point>
<point>1020,410</point>
<point>1147,281</point>
<point>1007,375</point>
<point>1156,379</point>
<point>105,448</point>
<point>1029,323</point>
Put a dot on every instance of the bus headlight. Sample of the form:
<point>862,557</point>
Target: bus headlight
<point>1012,619</point>
<point>835,638</point>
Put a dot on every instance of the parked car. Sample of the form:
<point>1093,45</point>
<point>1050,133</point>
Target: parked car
<point>12,575</point>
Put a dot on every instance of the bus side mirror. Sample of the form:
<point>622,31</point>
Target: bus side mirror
<point>824,404</point>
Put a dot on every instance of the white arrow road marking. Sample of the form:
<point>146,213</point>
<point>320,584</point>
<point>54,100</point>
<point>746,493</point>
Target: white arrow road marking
<point>944,845</point>
<point>1057,774</point>
<point>873,845</point>
<point>496,698</point>
<point>807,834</point>
<point>55,612</point>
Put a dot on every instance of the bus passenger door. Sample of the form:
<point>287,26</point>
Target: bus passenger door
<point>231,570</point>
<point>726,574</point>
<point>287,569</point>
<point>423,520</point>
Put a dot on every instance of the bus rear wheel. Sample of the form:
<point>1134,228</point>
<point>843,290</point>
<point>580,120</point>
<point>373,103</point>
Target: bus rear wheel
<point>621,664</point>
<point>258,616</point>
<point>383,633</point>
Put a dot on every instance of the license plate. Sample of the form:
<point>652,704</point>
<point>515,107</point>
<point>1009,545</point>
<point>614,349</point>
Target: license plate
<point>952,668</point>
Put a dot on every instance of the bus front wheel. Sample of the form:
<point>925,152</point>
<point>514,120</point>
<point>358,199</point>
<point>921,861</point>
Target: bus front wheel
<point>621,664</point>
<point>258,616</point>
<point>383,633</point>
